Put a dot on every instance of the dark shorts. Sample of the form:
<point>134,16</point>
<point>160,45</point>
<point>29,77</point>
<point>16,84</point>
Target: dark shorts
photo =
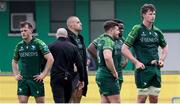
<point>150,76</point>
<point>30,87</point>
<point>120,84</point>
<point>108,86</point>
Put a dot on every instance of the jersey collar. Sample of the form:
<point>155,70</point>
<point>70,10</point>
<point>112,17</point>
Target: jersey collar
<point>146,27</point>
<point>108,36</point>
<point>30,41</point>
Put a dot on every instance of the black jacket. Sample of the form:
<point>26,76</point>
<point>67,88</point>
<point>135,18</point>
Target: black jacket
<point>71,36</point>
<point>65,56</point>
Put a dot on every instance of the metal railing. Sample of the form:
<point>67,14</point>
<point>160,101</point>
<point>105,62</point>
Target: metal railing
<point>173,100</point>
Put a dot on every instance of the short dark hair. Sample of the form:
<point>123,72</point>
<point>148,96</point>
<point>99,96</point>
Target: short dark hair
<point>109,24</point>
<point>24,23</point>
<point>147,7</point>
<point>118,21</point>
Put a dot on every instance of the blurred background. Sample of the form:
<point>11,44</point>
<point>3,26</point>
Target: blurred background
<point>48,15</point>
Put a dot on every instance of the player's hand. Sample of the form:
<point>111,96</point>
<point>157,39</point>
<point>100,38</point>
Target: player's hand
<point>161,63</point>
<point>80,85</point>
<point>79,89</point>
<point>139,65</point>
<point>115,74</point>
<point>18,77</point>
<point>124,61</point>
<point>39,78</point>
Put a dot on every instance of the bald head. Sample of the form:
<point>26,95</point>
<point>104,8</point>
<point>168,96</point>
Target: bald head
<point>61,32</point>
<point>74,24</point>
<point>70,20</point>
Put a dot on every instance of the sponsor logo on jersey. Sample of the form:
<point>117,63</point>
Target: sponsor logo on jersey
<point>152,37</point>
<point>148,39</point>
<point>20,90</point>
<point>28,54</point>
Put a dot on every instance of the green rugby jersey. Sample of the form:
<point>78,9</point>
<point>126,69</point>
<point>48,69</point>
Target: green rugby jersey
<point>95,42</point>
<point>145,42</point>
<point>117,57</point>
<point>106,42</point>
<point>30,56</point>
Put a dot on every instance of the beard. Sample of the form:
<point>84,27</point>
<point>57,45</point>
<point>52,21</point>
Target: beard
<point>120,34</point>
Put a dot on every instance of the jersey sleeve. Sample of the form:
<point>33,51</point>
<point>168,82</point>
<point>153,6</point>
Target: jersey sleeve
<point>108,44</point>
<point>43,47</point>
<point>123,39</point>
<point>95,41</point>
<point>16,53</point>
<point>132,36</point>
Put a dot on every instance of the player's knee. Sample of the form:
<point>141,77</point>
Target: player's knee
<point>153,99</point>
<point>23,101</point>
<point>39,99</point>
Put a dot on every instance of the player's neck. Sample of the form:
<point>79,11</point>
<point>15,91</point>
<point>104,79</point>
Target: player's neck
<point>148,24</point>
<point>110,34</point>
<point>28,39</point>
<point>75,32</point>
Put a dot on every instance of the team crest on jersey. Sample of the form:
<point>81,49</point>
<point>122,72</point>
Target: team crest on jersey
<point>143,34</point>
<point>155,34</point>
<point>33,47</point>
<point>150,33</point>
<point>21,48</point>
<point>45,47</point>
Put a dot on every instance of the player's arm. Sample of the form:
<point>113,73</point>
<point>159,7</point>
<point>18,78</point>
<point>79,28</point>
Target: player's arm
<point>124,61</point>
<point>107,53</point>
<point>80,68</point>
<point>128,43</point>
<point>127,53</point>
<point>164,48</point>
<point>163,55</point>
<point>15,67</point>
<point>49,63</point>
<point>16,70</point>
<point>92,50</point>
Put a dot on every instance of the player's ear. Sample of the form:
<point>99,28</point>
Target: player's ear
<point>143,15</point>
<point>72,25</point>
<point>31,30</point>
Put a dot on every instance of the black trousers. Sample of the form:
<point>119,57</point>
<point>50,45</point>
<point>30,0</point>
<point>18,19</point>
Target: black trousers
<point>62,89</point>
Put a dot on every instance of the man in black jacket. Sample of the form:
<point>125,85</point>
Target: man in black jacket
<point>74,28</point>
<point>66,55</point>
